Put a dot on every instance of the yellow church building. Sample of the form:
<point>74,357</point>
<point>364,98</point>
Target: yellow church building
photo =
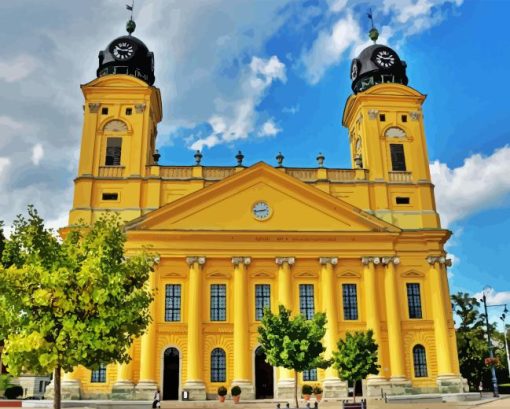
<point>364,245</point>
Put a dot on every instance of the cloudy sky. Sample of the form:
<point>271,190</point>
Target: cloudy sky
<point>265,76</point>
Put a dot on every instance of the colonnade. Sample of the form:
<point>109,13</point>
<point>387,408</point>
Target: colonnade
<point>373,267</point>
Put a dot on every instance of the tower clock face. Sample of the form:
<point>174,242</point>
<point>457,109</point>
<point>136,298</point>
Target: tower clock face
<point>123,51</point>
<point>261,210</point>
<point>354,69</point>
<point>384,59</point>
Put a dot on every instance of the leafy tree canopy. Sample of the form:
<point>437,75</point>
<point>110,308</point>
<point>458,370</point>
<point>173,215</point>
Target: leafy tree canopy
<point>77,301</point>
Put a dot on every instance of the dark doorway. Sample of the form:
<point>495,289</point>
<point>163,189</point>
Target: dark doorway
<point>171,374</point>
<point>264,380</point>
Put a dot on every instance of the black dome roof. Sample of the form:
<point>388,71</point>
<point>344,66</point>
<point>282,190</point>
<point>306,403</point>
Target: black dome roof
<point>377,64</point>
<point>127,55</point>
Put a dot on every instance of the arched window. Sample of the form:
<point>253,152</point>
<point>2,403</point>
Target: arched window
<point>420,361</point>
<point>218,365</point>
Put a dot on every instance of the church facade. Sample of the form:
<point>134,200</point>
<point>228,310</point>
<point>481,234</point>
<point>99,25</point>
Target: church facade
<point>364,245</point>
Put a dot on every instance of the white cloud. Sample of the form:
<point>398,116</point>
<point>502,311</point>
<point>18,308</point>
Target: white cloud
<point>495,297</point>
<point>10,123</point>
<point>269,128</point>
<point>482,182</point>
<point>292,109</point>
<point>17,68</point>
<point>329,47</point>
<point>236,119</point>
<point>37,154</point>
<point>4,164</point>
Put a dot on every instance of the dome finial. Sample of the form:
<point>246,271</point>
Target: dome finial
<point>131,25</point>
<point>373,33</point>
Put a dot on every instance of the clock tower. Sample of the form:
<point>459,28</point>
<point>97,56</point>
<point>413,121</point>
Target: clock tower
<point>121,112</point>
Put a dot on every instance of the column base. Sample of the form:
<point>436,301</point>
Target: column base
<point>123,390</point>
<point>70,390</point>
<point>145,390</point>
<point>376,386</point>
<point>399,385</point>
<point>450,383</point>
<point>334,388</point>
<point>196,390</point>
<point>285,389</point>
<point>247,389</point>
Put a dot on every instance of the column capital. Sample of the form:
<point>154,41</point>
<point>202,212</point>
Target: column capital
<point>438,259</point>
<point>241,260</point>
<point>328,260</point>
<point>387,260</point>
<point>195,259</point>
<point>289,260</point>
<point>371,259</point>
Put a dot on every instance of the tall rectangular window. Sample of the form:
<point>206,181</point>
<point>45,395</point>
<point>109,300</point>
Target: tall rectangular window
<point>218,302</point>
<point>306,300</point>
<point>173,302</point>
<point>113,151</point>
<point>414,300</point>
<point>350,299</point>
<point>398,159</point>
<point>262,299</point>
<point>99,375</point>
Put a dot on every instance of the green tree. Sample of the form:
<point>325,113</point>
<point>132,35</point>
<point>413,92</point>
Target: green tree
<point>76,301</point>
<point>293,343</point>
<point>471,339</point>
<point>2,239</point>
<point>356,357</point>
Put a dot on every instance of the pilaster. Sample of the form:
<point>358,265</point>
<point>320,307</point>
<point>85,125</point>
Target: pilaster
<point>124,387</point>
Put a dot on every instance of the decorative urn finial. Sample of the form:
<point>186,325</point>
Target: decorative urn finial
<point>320,159</point>
<point>198,157</point>
<point>156,155</point>
<point>239,158</point>
<point>279,159</point>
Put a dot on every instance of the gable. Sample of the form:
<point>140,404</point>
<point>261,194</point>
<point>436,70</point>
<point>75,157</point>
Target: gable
<point>228,206</point>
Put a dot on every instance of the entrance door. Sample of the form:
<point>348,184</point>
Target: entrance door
<point>264,380</point>
<point>171,374</point>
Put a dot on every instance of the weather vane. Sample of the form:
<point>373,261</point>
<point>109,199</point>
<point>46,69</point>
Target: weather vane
<point>130,26</point>
<point>373,33</point>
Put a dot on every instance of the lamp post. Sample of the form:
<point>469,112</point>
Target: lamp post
<point>502,318</point>
<point>486,291</point>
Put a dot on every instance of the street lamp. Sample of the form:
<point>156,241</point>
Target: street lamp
<point>502,318</point>
<point>486,291</point>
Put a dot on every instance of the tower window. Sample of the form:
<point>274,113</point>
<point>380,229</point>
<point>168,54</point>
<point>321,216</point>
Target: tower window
<point>404,118</point>
<point>218,365</point>
<point>350,300</point>
<point>99,375</point>
<point>262,300</point>
<point>306,304</point>
<point>173,302</point>
<point>104,111</point>
<point>420,361</point>
<point>129,111</point>
<point>218,302</point>
<point>398,160</point>
<point>110,196</point>
<point>402,200</point>
<point>382,117</point>
<point>414,300</point>
<point>113,151</point>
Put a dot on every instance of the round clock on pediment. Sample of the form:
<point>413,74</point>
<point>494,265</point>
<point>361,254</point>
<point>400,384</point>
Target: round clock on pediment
<point>261,210</point>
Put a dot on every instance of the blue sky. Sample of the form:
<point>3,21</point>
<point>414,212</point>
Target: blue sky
<point>264,76</point>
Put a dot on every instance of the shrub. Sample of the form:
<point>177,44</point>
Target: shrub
<point>12,392</point>
<point>317,390</point>
<point>306,389</point>
<point>235,391</point>
<point>222,391</point>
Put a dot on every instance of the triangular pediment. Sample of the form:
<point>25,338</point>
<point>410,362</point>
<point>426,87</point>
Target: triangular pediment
<point>228,205</point>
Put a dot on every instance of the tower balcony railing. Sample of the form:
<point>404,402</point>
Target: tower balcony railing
<point>111,171</point>
<point>400,176</point>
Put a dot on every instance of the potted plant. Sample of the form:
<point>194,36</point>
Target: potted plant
<point>317,391</point>
<point>306,391</point>
<point>222,392</point>
<point>236,393</point>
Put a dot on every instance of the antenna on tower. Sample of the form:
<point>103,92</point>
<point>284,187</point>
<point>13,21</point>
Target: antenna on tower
<point>373,33</point>
<point>130,26</point>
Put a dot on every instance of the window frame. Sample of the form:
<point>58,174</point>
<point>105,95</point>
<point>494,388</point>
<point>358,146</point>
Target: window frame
<point>412,305</point>
<point>343,285</point>
<point>218,367</point>
<point>259,311</point>
<point>305,310</point>
<point>115,158</point>
<point>398,166</point>
<point>420,369</point>
<point>310,375</point>
<point>173,309</point>
<point>98,375</point>
<point>217,317</point>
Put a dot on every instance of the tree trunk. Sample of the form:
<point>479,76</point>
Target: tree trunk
<point>354,391</point>
<point>295,389</point>
<point>57,394</point>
